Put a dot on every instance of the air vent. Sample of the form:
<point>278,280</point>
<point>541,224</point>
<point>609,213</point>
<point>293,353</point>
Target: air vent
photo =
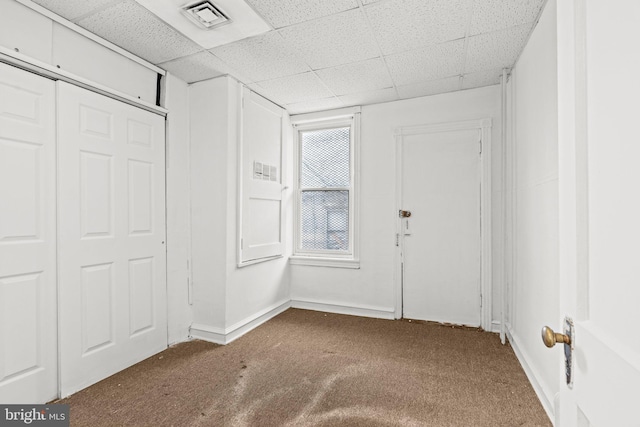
<point>205,14</point>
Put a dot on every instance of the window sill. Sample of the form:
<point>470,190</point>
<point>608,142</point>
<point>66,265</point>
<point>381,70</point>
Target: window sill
<point>325,262</point>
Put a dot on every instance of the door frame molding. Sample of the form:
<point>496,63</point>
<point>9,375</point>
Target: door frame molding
<point>484,128</point>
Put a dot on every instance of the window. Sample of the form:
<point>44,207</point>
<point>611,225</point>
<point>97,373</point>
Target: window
<point>326,213</point>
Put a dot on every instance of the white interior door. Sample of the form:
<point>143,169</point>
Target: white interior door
<point>111,236</point>
<point>600,210</point>
<point>28,332</point>
<point>441,239</point>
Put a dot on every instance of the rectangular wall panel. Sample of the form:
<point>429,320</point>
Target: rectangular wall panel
<point>140,197</point>
<point>96,204</point>
<point>19,324</point>
<point>97,315</point>
<point>95,122</point>
<point>265,227</point>
<point>106,67</point>
<point>261,219</point>
<point>21,192</point>
<point>139,133</point>
<point>26,30</point>
<point>19,104</point>
<point>141,295</point>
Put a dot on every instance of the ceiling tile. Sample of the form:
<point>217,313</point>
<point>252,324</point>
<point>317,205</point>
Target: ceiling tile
<point>499,49</point>
<point>314,105</point>
<point>432,63</point>
<point>294,89</point>
<point>369,97</point>
<point>481,78</point>
<point>193,68</point>
<point>263,57</point>
<point>429,88</point>
<point>370,74</point>
<point>333,40</point>
<point>264,93</point>
<point>492,15</point>
<point>401,25</point>
<point>134,28</point>
<point>72,9</point>
<point>282,13</point>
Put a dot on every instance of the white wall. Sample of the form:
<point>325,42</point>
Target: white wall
<point>225,297</point>
<point>372,286</point>
<point>209,116</point>
<point>180,314</point>
<point>534,129</point>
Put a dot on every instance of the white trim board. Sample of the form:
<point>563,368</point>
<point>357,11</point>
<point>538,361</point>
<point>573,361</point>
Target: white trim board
<point>78,29</point>
<point>531,375</point>
<point>27,63</point>
<point>484,126</point>
<point>227,335</point>
<point>352,310</point>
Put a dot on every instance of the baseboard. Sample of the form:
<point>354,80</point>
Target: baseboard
<point>537,387</point>
<point>237,330</point>
<point>364,311</point>
<point>227,335</point>
<point>495,327</point>
<point>203,332</point>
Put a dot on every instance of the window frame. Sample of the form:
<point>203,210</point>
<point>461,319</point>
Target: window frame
<point>318,121</point>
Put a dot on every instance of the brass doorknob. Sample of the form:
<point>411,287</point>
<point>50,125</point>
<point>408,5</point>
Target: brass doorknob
<point>550,338</point>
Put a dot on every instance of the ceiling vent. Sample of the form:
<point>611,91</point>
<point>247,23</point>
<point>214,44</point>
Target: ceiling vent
<point>205,14</point>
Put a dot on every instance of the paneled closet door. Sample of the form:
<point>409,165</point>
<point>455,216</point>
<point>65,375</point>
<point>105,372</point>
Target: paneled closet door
<point>28,330</point>
<point>111,236</point>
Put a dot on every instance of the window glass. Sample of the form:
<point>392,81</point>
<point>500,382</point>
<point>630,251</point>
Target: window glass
<point>325,220</point>
<point>325,158</point>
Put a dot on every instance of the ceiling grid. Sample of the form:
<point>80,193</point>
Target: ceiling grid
<point>315,55</point>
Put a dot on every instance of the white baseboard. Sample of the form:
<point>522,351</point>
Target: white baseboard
<point>227,335</point>
<point>537,387</point>
<point>364,311</point>
<point>495,327</point>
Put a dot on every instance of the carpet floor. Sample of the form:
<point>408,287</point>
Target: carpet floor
<point>306,368</point>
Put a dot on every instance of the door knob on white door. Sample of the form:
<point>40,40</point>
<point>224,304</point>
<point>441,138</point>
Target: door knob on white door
<point>550,338</point>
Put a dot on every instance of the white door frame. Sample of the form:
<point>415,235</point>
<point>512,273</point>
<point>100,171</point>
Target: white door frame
<point>484,128</point>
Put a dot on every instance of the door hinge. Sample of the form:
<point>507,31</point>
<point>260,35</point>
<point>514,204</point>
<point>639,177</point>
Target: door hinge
<point>397,239</point>
<point>241,243</point>
<point>480,146</point>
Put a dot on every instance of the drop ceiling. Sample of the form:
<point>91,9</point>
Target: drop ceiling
<point>312,55</point>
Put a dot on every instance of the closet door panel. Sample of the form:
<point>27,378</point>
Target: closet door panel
<point>28,330</point>
<point>112,235</point>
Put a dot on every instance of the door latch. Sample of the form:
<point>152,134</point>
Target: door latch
<point>404,214</point>
<point>550,338</point>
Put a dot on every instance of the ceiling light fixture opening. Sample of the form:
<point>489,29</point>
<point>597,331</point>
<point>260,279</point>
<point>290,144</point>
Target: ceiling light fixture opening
<point>205,14</point>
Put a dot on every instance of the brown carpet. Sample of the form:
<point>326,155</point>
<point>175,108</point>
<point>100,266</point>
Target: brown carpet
<point>306,368</point>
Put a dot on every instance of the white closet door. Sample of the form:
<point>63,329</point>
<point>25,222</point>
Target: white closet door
<point>111,236</point>
<point>28,352</point>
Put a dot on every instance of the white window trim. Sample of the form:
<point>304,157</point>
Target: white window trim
<point>313,121</point>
